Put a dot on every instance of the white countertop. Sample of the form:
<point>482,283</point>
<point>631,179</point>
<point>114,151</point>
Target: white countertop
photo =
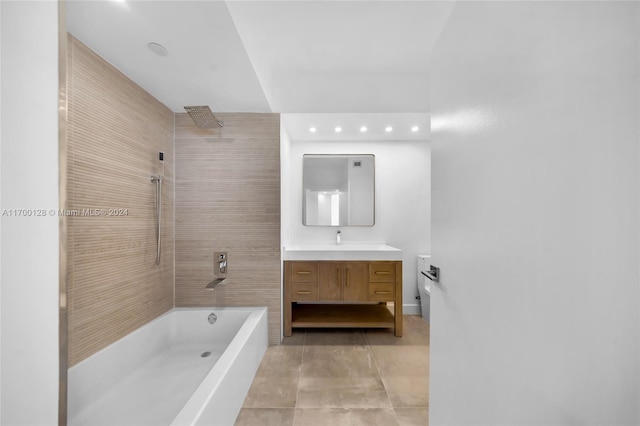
<point>344,251</point>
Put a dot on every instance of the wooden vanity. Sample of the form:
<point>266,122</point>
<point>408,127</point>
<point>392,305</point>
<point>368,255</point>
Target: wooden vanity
<point>333,293</point>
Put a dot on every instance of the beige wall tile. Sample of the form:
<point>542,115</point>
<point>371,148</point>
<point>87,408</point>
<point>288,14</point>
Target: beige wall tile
<point>228,199</point>
<point>116,130</point>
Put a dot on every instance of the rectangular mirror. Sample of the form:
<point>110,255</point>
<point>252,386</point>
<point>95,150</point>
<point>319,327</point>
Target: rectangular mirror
<point>338,190</point>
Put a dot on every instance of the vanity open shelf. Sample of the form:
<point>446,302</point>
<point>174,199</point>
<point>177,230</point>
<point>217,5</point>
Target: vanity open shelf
<point>341,316</point>
<point>342,294</point>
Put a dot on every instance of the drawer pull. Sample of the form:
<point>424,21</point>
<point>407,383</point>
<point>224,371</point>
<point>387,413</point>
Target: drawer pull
<point>303,292</point>
<point>382,272</point>
<point>382,292</point>
<point>303,272</point>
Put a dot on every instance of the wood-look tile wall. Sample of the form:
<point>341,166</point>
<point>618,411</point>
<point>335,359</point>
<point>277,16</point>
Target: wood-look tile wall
<point>116,130</point>
<point>228,199</point>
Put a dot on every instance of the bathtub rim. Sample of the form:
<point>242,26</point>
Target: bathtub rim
<point>202,395</point>
<point>249,323</point>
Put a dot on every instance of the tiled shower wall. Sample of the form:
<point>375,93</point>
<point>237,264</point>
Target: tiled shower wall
<point>228,199</point>
<point>116,130</point>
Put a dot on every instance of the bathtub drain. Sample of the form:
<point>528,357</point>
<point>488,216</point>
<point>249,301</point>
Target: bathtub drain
<point>205,354</point>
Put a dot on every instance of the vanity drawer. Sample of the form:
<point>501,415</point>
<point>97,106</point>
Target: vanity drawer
<point>304,272</point>
<point>381,292</point>
<point>382,272</point>
<point>304,291</point>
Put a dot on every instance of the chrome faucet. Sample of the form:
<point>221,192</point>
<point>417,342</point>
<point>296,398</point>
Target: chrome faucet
<point>220,264</point>
<point>215,283</point>
<point>339,238</point>
<point>219,269</point>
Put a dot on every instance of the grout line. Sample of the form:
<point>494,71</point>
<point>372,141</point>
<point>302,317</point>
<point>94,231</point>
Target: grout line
<point>295,405</point>
<point>386,391</point>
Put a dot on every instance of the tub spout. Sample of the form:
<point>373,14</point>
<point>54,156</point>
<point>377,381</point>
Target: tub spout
<point>215,283</point>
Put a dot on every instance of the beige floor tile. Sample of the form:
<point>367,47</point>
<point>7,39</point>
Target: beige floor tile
<point>334,337</point>
<point>337,392</point>
<point>279,361</point>
<point>407,391</point>
<point>401,360</point>
<point>296,339</point>
<point>343,376</point>
<point>413,416</point>
<point>338,361</point>
<point>270,392</point>
<point>265,417</point>
<point>340,376</point>
<point>345,417</point>
<point>415,332</point>
<point>405,373</point>
<point>276,382</point>
<point>415,323</point>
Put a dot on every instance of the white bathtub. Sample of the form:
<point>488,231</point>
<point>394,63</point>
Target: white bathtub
<point>158,376</point>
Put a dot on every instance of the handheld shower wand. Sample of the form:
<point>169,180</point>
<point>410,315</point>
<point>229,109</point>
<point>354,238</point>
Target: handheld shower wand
<point>158,181</point>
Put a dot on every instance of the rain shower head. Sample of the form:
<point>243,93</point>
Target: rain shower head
<point>203,117</point>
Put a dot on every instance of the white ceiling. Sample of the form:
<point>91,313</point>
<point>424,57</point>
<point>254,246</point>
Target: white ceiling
<point>206,65</point>
<point>350,56</point>
<point>270,56</point>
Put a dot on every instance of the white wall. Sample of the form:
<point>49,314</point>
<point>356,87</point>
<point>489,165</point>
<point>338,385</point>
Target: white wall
<point>402,202</point>
<point>29,166</point>
<point>535,148</point>
<point>1,206</point>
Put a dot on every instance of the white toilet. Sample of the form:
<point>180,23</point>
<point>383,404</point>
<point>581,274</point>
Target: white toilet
<point>424,285</point>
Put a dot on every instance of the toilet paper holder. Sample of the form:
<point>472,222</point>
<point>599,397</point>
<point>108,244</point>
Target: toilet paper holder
<point>433,273</point>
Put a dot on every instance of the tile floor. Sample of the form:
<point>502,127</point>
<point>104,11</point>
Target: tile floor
<point>343,377</point>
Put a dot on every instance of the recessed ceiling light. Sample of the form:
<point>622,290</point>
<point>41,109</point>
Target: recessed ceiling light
<point>338,129</point>
<point>312,129</point>
<point>388,129</point>
<point>363,129</point>
<point>158,49</point>
<point>415,128</point>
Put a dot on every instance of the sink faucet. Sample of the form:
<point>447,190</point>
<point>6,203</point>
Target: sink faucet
<point>338,238</point>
